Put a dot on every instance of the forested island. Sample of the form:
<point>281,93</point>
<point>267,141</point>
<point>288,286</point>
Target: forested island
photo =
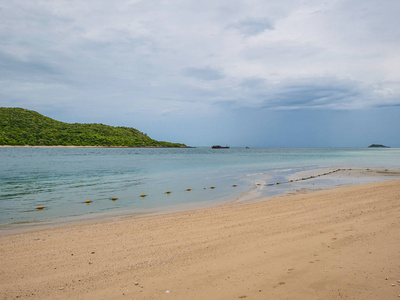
<point>378,146</point>
<point>22,127</point>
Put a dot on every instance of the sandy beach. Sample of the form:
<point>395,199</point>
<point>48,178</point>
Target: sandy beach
<point>341,243</point>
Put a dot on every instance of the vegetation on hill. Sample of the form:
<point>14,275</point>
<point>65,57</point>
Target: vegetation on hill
<point>20,127</point>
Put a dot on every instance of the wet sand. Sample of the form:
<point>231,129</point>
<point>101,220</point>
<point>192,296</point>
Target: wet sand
<point>331,244</point>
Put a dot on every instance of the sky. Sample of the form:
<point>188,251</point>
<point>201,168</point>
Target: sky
<point>240,73</point>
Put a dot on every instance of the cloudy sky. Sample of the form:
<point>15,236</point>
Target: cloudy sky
<point>245,73</point>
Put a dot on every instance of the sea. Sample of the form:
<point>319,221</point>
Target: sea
<point>79,184</point>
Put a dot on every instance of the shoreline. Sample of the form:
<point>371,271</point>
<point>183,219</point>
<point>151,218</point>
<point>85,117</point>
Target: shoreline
<point>303,182</point>
<point>327,244</point>
<point>71,146</point>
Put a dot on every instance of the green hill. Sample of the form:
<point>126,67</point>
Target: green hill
<point>20,126</point>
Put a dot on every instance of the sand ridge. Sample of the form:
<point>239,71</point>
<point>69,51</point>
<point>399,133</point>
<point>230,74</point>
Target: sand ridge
<point>330,244</point>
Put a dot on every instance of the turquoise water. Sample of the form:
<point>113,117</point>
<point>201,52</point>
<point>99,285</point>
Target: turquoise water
<point>62,179</point>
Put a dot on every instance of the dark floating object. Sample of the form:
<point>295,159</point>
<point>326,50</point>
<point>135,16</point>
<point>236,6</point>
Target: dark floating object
<point>220,147</point>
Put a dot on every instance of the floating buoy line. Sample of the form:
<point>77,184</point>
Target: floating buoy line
<point>234,185</point>
<point>304,178</point>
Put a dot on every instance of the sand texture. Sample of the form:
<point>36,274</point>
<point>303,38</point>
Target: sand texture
<point>342,243</point>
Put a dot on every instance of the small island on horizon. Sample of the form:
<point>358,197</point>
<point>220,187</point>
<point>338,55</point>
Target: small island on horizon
<point>23,127</point>
<point>378,146</point>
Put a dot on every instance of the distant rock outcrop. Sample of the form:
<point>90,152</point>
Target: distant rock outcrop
<point>378,146</point>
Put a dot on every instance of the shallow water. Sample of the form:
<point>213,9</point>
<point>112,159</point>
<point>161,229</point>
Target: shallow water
<point>62,179</point>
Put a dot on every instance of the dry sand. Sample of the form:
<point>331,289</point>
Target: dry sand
<point>342,243</point>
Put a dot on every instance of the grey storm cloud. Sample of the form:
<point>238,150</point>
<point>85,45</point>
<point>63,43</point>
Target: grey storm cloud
<point>253,26</point>
<point>315,96</point>
<point>32,67</point>
<point>310,93</point>
<point>208,74</point>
